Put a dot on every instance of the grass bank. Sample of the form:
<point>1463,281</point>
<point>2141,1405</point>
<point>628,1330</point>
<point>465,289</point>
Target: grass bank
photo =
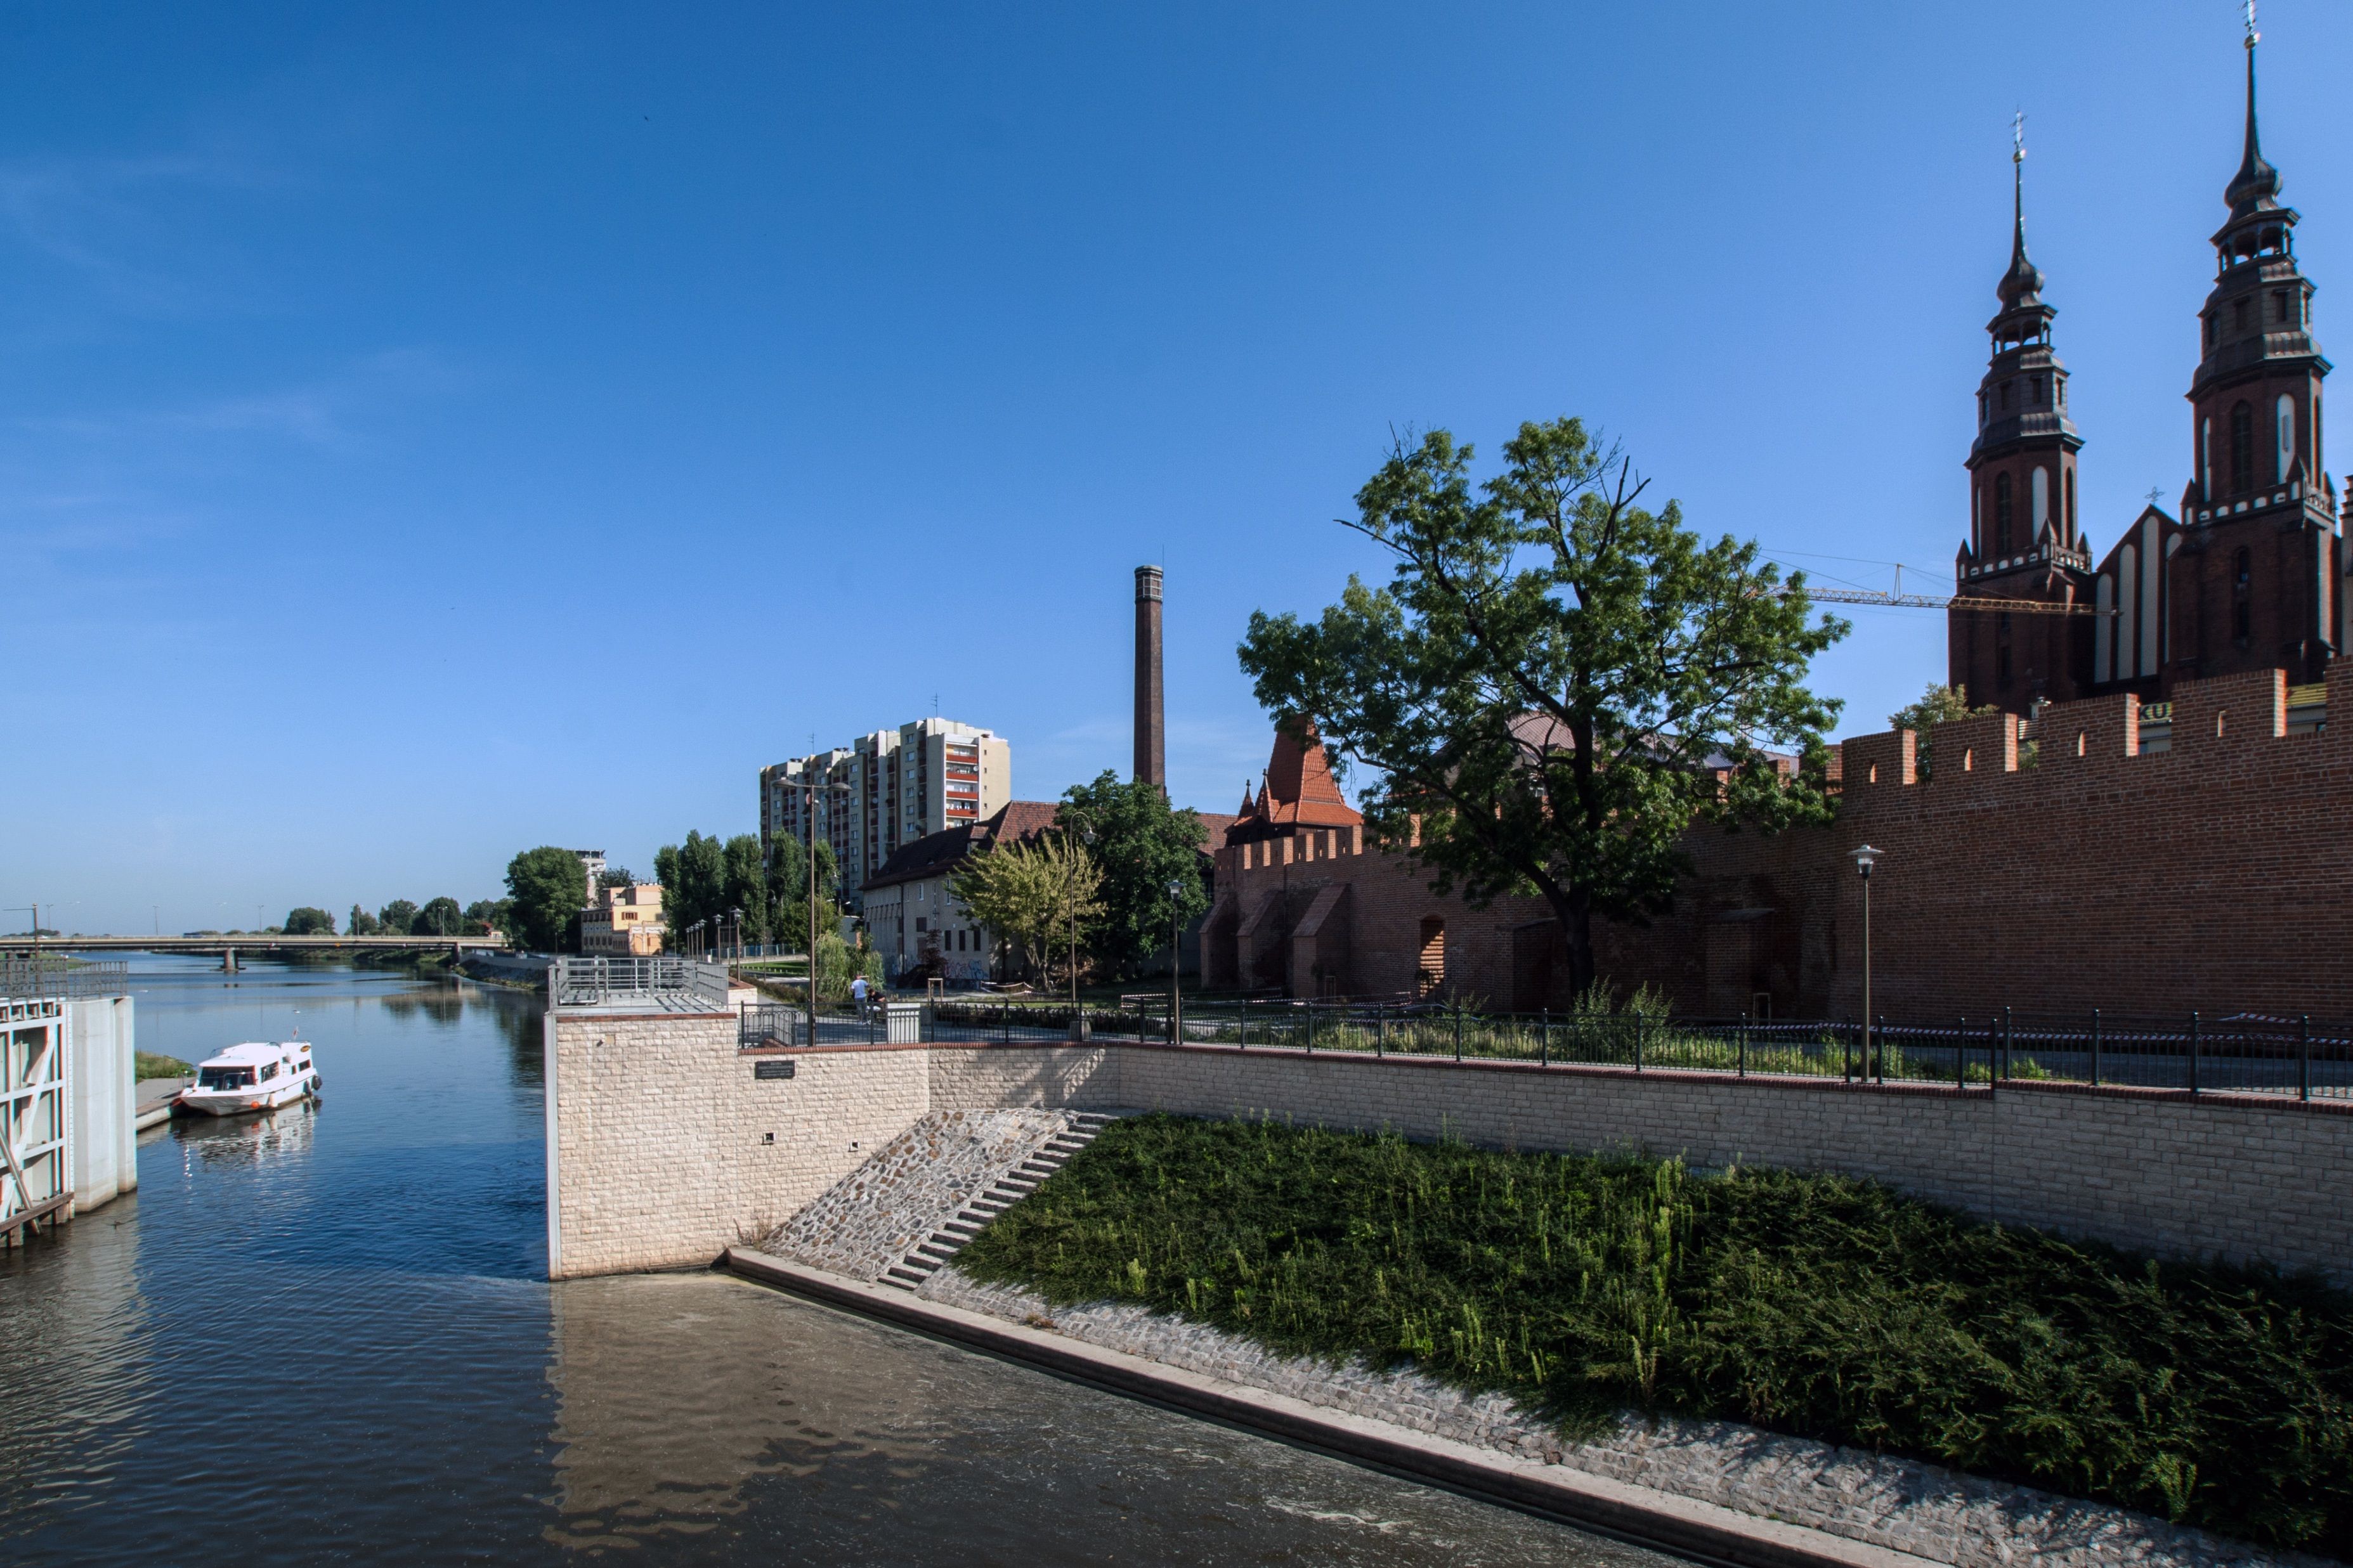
<point>1814,1305</point>
<point>147,1064</point>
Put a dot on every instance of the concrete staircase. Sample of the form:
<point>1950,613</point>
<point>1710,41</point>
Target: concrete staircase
<point>931,1254</point>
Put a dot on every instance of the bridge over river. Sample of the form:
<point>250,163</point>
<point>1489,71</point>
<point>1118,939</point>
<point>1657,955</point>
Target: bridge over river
<point>226,946</point>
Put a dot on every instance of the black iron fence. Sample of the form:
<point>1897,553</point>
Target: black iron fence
<point>2197,1053</point>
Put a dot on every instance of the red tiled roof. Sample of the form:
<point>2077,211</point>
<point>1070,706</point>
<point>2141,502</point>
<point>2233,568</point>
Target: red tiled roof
<point>1300,791</point>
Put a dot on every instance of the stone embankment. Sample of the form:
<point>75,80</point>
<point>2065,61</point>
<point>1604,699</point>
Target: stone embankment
<point>919,1186</point>
<point>1923,1510</point>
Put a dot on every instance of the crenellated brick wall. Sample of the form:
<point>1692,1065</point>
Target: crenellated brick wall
<point>2083,871</point>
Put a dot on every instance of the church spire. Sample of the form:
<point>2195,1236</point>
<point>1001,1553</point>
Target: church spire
<point>2255,186</point>
<point>2021,286</point>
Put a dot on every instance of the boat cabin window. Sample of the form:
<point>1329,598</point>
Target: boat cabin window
<point>269,1072</point>
<point>225,1078</point>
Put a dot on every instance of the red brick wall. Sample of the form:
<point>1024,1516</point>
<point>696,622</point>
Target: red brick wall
<point>2216,875</point>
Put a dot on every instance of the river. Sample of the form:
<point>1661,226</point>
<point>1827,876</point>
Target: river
<point>325,1335</point>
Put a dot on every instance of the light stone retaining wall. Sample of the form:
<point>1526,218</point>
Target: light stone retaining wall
<point>657,1157</point>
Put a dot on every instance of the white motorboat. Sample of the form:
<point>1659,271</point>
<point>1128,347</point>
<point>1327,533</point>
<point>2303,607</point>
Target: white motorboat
<point>255,1076</point>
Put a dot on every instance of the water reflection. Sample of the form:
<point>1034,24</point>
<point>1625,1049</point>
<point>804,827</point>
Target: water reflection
<point>326,1334</point>
<point>721,1423</point>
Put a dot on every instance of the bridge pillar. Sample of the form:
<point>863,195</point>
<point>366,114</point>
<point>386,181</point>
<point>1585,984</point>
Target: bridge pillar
<point>228,962</point>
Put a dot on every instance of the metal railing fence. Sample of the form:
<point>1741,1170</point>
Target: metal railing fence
<point>574,982</point>
<point>63,977</point>
<point>2196,1054</point>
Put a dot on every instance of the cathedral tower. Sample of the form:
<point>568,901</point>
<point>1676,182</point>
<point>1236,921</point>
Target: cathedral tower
<point>2023,543</point>
<point>2252,581</point>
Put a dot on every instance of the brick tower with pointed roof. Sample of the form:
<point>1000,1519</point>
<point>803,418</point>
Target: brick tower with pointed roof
<point>1298,793</point>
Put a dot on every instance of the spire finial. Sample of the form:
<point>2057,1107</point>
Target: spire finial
<point>2022,284</point>
<point>2257,182</point>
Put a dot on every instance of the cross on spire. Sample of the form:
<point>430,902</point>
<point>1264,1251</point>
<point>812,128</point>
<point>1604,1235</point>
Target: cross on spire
<point>2254,37</point>
<point>2018,130</point>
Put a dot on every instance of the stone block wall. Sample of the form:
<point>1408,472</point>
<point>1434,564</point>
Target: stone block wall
<point>663,1148</point>
<point>660,1154</point>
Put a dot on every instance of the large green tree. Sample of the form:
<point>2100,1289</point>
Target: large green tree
<point>439,917</point>
<point>1143,847</point>
<point>485,915</point>
<point>397,917</point>
<point>788,889</point>
<point>309,922</point>
<point>706,878</point>
<point>1557,682</point>
<point>363,924</point>
<point>1034,895</point>
<point>546,888</point>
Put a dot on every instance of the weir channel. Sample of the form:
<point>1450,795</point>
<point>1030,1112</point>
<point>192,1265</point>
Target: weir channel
<point>329,1334</point>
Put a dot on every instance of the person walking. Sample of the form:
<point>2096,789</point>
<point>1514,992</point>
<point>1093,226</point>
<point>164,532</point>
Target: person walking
<point>858,995</point>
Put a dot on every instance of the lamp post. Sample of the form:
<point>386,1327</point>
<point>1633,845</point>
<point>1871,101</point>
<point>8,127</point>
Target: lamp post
<point>1176,964</point>
<point>1085,835</point>
<point>735,919</point>
<point>1864,859</point>
<point>810,788</point>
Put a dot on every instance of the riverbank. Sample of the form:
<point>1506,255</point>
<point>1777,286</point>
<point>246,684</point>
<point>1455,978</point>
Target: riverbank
<point>1825,1308</point>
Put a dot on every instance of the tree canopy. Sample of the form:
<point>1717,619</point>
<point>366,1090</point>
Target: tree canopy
<point>706,878</point>
<point>1028,893</point>
<point>788,876</point>
<point>363,924</point>
<point>1556,683</point>
<point>309,922</point>
<point>439,917</point>
<point>1940,704</point>
<point>1141,845</point>
<point>397,917</point>
<point>546,888</point>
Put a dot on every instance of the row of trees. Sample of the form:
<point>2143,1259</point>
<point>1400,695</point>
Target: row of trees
<point>436,917</point>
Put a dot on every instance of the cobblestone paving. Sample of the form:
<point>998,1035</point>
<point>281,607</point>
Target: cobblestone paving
<point>911,1186</point>
<point>1924,1510</point>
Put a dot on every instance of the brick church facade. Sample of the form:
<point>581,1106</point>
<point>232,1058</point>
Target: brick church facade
<point>2158,819</point>
<point>2250,573</point>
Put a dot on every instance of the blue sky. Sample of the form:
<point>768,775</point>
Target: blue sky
<point>431,431</point>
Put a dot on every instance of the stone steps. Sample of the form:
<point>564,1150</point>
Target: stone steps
<point>935,1251</point>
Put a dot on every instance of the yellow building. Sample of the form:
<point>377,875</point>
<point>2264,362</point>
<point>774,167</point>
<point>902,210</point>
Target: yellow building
<point>624,922</point>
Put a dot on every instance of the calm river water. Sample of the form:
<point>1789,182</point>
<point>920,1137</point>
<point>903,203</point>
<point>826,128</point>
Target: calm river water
<point>325,1335</point>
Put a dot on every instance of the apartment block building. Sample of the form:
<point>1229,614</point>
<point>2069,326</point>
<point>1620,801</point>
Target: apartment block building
<point>623,923</point>
<point>887,789</point>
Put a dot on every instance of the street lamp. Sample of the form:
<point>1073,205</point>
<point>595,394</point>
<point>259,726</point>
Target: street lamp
<point>1864,859</point>
<point>1176,964</point>
<point>737,917</point>
<point>1086,835</point>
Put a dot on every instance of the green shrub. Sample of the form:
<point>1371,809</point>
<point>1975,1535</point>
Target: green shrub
<point>1815,1305</point>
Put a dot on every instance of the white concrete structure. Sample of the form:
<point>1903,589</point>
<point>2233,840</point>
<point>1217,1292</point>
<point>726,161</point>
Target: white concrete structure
<point>67,1092</point>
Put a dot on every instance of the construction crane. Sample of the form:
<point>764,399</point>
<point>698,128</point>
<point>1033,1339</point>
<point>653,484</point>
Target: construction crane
<point>1899,600</point>
<point>1949,602</point>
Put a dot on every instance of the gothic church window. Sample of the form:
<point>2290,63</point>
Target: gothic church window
<point>2281,310</point>
<point>2002,650</point>
<point>2242,449</point>
<point>2071,503</point>
<point>2241,598</point>
<point>2239,315</point>
<point>2005,397</point>
<point>2286,425</point>
<point>2040,486</point>
<point>2001,514</point>
<point>2206,458</point>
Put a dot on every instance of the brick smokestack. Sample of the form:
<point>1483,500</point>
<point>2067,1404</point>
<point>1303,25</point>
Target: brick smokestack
<point>1151,721</point>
